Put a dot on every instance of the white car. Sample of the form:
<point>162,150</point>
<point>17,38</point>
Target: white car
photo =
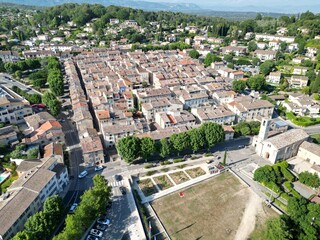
<point>83,174</point>
<point>73,207</point>
<point>103,220</point>
<point>98,168</point>
<point>96,233</point>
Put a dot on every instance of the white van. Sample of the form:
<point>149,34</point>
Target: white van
<point>83,174</point>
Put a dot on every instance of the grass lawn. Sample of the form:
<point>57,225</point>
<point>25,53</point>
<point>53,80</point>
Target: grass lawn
<point>147,187</point>
<point>196,172</point>
<point>211,210</point>
<point>316,138</point>
<point>163,182</point>
<point>302,121</point>
<point>179,177</point>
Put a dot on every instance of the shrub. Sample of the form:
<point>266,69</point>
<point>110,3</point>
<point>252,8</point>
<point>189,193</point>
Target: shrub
<point>149,173</point>
<point>178,160</point>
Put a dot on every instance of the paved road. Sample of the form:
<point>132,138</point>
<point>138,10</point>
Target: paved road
<point>119,214</point>
<point>9,82</point>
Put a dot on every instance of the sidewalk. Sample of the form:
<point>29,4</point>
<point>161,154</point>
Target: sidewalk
<point>135,229</point>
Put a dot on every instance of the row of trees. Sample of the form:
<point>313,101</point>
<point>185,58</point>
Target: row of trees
<point>55,78</point>
<point>171,46</point>
<point>51,101</point>
<point>93,204</point>
<point>29,64</point>
<point>206,136</point>
<point>32,98</point>
<point>42,224</point>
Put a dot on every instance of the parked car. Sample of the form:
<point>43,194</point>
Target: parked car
<point>185,157</point>
<point>209,161</point>
<point>118,177</point>
<point>96,232</point>
<point>241,146</point>
<point>73,207</point>
<point>123,190</point>
<point>83,174</point>
<point>98,168</point>
<point>101,227</point>
<point>103,220</point>
<point>91,237</point>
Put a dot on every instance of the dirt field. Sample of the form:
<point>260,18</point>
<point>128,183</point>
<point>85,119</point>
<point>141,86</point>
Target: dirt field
<point>210,210</point>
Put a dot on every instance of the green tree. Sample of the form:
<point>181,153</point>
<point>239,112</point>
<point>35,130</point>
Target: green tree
<point>238,86</point>
<point>252,46</point>
<point>213,133</point>
<point>277,229</point>
<point>53,206</point>
<point>311,180</point>
<point>297,208</point>
<point>265,174</point>
<point>165,148</point>
<point>179,141</point>
<point>228,58</point>
<point>194,54</point>
<point>257,83</point>
<point>197,139</point>
<point>129,148</point>
<point>147,147</point>
<point>210,58</point>
<point>266,67</point>
<point>315,85</point>
<point>37,226</point>
<point>21,236</point>
<point>255,61</point>
<point>18,74</point>
<point>33,153</point>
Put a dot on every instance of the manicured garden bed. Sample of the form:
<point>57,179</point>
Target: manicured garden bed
<point>196,172</point>
<point>163,182</point>
<point>179,177</point>
<point>147,187</point>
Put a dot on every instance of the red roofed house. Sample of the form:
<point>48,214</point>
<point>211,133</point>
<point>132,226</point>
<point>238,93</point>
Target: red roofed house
<point>49,132</point>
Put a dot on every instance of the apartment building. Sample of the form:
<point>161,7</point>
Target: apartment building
<point>13,110</point>
<point>218,114</point>
<point>174,119</point>
<point>297,81</point>
<point>265,55</point>
<point>160,105</point>
<point>249,110</point>
<point>26,195</point>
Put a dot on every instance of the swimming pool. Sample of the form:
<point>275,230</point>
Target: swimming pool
<point>4,176</point>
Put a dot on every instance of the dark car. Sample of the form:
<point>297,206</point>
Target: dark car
<point>118,177</point>
<point>123,190</point>
<point>101,227</point>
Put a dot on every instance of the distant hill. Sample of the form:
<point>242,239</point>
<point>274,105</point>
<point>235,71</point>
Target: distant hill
<point>144,5</point>
<point>233,15</point>
<point>151,6</point>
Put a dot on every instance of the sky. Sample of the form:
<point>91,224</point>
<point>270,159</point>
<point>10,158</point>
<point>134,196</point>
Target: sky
<point>281,6</point>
